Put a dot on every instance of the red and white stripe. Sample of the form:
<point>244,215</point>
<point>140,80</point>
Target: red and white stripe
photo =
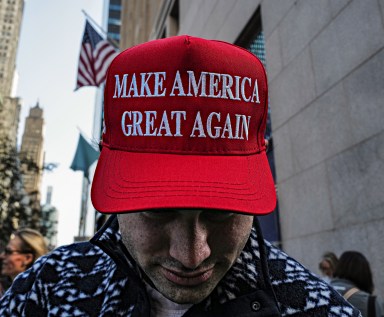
<point>93,64</point>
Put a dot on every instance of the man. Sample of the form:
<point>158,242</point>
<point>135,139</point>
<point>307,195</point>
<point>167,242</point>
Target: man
<point>183,171</point>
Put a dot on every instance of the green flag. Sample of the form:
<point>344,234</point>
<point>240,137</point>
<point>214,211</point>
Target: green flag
<point>85,155</point>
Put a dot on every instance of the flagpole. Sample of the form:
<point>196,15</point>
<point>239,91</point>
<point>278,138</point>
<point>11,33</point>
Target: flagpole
<point>94,143</point>
<point>84,157</point>
<point>84,207</point>
<point>115,44</point>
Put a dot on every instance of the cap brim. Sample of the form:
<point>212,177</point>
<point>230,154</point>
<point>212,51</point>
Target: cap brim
<point>128,181</point>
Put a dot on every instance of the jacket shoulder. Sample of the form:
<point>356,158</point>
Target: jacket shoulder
<point>300,292</point>
<point>65,270</point>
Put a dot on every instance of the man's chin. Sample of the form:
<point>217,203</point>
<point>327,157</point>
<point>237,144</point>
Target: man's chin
<point>186,297</point>
<point>185,288</point>
<point>185,294</point>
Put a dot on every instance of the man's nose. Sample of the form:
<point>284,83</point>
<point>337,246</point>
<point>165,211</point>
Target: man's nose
<point>189,244</point>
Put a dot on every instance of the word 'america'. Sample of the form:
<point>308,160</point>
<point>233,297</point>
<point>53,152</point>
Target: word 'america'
<point>137,123</point>
<point>207,84</point>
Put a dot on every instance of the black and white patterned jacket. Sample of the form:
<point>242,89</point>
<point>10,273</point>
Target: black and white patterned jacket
<point>99,278</point>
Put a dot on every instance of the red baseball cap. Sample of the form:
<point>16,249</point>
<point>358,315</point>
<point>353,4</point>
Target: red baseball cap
<point>184,128</point>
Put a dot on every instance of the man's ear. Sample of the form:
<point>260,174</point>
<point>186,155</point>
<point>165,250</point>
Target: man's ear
<point>266,145</point>
<point>28,259</point>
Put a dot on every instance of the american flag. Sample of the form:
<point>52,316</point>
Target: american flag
<point>96,54</point>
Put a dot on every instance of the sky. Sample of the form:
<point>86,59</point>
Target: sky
<point>46,64</point>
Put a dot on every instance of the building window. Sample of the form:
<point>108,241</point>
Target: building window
<point>252,39</point>
<point>115,7</point>
<point>173,19</point>
<point>114,36</point>
<point>167,20</point>
<point>113,29</point>
<point>257,47</point>
<point>114,16</point>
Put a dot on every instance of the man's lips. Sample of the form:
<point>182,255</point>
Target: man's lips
<point>187,278</point>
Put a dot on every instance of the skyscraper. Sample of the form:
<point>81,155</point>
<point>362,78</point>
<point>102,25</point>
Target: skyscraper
<point>32,150</point>
<point>11,12</point>
<point>49,220</point>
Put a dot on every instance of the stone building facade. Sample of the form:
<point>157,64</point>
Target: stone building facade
<point>325,62</point>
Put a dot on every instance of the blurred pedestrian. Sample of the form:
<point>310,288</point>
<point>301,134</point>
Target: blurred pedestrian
<point>24,247</point>
<point>353,279</point>
<point>328,265</point>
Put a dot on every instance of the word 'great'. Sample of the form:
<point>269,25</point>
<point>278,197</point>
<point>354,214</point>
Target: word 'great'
<point>210,85</point>
<point>137,123</point>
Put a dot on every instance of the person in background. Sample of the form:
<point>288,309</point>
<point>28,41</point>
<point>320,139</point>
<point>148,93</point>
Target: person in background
<point>353,279</point>
<point>328,265</point>
<point>23,249</point>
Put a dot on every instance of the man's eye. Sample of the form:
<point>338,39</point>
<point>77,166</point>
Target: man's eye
<point>159,214</point>
<point>217,215</point>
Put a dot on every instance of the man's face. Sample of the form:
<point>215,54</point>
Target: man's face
<point>185,253</point>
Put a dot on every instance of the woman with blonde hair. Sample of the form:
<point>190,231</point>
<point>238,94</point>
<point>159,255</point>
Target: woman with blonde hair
<point>23,249</point>
<point>327,265</point>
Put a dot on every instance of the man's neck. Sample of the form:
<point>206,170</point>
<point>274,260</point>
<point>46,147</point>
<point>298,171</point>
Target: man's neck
<point>162,306</point>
